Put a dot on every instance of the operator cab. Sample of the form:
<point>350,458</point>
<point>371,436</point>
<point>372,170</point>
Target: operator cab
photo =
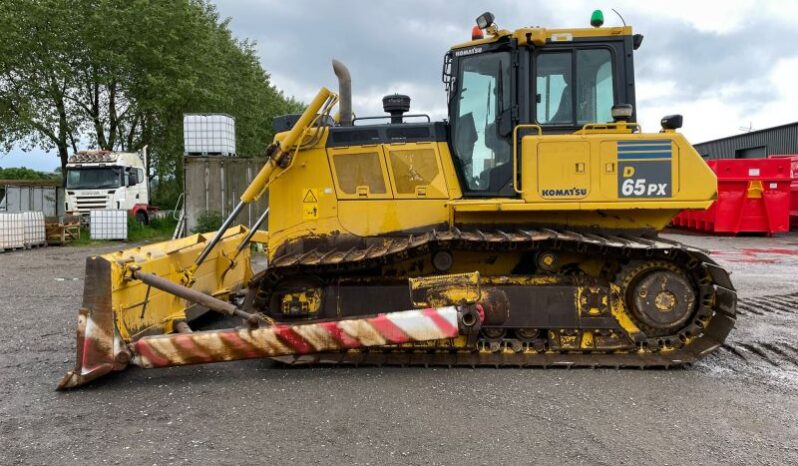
<point>559,79</point>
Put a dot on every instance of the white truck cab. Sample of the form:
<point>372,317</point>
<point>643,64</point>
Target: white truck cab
<point>108,180</point>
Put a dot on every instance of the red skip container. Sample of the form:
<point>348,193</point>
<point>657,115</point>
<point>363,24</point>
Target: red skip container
<point>753,197</point>
<point>793,158</point>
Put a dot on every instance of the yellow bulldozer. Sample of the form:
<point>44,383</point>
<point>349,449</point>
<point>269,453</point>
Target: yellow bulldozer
<point>522,231</point>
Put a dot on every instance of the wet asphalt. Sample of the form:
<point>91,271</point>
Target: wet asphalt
<point>738,406</point>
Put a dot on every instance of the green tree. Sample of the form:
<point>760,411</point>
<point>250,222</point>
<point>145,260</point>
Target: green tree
<point>27,174</point>
<point>38,51</point>
<point>119,74</point>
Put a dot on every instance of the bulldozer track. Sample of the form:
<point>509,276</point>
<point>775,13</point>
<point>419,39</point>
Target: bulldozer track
<point>775,353</point>
<point>759,351</point>
<point>781,352</point>
<point>704,332</point>
<point>780,355</point>
<point>763,305</point>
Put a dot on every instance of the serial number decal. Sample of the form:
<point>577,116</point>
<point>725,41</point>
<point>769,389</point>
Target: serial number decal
<point>645,169</point>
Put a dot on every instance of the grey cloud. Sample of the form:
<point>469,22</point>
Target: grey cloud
<point>397,46</point>
<point>390,42</point>
<point>382,42</point>
<point>706,62</point>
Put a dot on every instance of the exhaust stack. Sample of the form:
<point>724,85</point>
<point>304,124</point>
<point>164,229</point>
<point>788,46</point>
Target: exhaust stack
<point>344,92</point>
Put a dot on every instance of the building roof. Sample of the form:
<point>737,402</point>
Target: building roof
<point>750,133</point>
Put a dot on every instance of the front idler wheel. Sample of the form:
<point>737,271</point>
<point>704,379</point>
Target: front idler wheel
<point>660,298</point>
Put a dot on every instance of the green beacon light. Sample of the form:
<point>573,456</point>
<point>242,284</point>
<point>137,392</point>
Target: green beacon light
<point>597,19</point>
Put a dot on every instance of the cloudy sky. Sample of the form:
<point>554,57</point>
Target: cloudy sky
<point>724,65</point>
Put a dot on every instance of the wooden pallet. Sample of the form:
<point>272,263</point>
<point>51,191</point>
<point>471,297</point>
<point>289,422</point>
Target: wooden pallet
<point>60,233</point>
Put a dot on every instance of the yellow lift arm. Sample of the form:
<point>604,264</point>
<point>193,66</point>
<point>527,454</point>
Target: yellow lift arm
<point>280,154</point>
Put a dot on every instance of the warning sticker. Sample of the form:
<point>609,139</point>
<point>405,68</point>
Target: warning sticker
<point>310,204</point>
<point>310,212</point>
<point>310,196</point>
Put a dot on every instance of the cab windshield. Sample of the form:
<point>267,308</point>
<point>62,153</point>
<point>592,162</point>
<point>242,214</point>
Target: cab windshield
<point>481,101</point>
<point>94,178</point>
<point>569,98</point>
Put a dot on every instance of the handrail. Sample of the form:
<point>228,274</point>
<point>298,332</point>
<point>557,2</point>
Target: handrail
<point>175,214</point>
<point>515,151</point>
<point>383,117</point>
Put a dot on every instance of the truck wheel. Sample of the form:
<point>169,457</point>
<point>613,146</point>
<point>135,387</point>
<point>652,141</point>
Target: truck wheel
<point>141,217</point>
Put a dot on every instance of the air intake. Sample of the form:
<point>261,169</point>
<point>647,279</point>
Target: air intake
<point>396,105</point>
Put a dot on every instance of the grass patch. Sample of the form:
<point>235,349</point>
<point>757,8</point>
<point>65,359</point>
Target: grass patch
<point>85,239</point>
<point>157,230</point>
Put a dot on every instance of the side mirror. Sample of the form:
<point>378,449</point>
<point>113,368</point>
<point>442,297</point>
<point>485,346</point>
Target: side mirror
<point>671,122</point>
<point>637,41</point>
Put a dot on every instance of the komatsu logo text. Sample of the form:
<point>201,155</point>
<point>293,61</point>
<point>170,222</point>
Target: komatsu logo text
<point>473,51</point>
<point>564,192</point>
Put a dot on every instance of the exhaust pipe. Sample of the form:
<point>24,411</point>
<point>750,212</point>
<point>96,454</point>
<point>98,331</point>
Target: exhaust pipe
<point>344,92</point>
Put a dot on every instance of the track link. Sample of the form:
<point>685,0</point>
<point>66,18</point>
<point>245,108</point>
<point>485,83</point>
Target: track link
<point>705,331</point>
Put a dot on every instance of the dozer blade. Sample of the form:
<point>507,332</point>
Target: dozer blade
<point>117,309</point>
<point>135,309</point>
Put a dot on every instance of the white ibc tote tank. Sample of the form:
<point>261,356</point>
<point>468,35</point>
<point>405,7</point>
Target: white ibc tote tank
<point>209,134</point>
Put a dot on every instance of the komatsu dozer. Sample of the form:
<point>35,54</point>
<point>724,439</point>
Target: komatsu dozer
<point>522,231</point>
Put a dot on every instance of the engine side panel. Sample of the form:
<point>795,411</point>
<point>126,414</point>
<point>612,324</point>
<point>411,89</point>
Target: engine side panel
<point>599,180</point>
<point>614,171</point>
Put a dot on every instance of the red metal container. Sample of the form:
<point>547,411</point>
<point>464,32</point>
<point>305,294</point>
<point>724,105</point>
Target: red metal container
<point>753,197</point>
<point>793,186</point>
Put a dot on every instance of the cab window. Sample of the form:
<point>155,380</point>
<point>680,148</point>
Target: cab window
<point>554,88</point>
<point>574,88</point>
<point>482,99</point>
<point>594,89</point>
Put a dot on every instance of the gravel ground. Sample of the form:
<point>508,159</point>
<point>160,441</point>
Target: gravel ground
<point>737,406</point>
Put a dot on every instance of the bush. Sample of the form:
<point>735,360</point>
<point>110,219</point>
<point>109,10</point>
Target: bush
<point>209,220</point>
<point>27,174</point>
<point>158,229</point>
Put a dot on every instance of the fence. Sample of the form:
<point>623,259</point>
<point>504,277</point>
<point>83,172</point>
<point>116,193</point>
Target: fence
<point>214,184</point>
<point>25,196</point>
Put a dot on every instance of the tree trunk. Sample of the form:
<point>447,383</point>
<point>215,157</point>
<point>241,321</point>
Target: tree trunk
<point>63,154</point>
